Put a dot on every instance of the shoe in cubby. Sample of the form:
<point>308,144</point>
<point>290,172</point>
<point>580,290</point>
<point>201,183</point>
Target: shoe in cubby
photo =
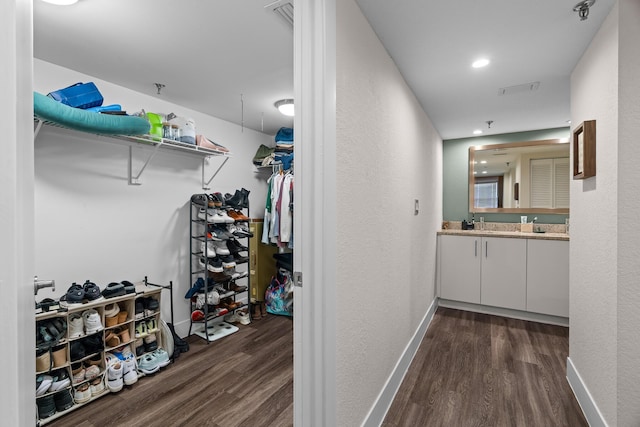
<point>130,369</point>
<point>82,393</point>
<point>63,400</point>
<point>97,386</point>
<point>76,326</point>
<point>111,312</point>
<point>61,380</point>
<point>46,406</point>
<point>92,321</point>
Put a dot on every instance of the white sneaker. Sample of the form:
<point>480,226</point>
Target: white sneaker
<point>82,393</point>
<point>243,317</point>
<point>130,370</point>
<point>223,217</point>
<point>97,386</point>
<point>221,248</point>
<point>148,364</point>
<point>114,376</point>
<point>76,326</point>
<point>162,357</point>
<point>208,249</point>
<point>92,322</point>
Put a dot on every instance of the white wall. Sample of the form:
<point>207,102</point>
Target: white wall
<point>388,154</point>
<point>90,224</point>
<point>594,231</point>
<point>628,208</point>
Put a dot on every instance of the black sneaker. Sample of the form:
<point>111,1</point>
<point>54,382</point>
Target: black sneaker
<point>63,400</point>
<point>139,309</point>
<point>91,291</point>
<point>129,288</point>
<point>74,296</point>
<point>151,303</point>
<point>92,344</point>
<point>113,289</point>
<point>46,406</point>
<point>77,350</point>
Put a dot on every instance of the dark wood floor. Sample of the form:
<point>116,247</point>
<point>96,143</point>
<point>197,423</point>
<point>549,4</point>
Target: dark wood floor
<point>480,370</point>
<point>245,379</point>
<point>470,370</point>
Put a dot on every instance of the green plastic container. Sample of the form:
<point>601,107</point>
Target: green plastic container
<point>156,126</point>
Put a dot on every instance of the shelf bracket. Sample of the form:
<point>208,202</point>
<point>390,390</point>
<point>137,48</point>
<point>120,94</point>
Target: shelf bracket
<point>36,131</point>
<point>135,179</point>
<point>205,183</point>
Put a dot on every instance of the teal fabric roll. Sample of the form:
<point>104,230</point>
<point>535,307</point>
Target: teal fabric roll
<point>47,109</point>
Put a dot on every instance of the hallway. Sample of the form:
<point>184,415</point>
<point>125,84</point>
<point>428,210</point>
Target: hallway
<point>480,370</point>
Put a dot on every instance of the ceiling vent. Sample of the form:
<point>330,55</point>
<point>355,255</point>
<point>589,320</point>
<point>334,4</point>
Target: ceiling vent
<point>284,9</point>
<point>523,88</point>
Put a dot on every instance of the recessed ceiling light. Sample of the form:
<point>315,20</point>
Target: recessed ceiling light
<point>61,2</point>
<point>477,132</point>
<point>479,63</point>
<point>483,162</point>
<point>564,140</point>
<point>484,171</point>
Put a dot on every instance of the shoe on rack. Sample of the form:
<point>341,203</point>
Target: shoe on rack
<point>227,261</point>
<point>221,248</point>
<point>200,199</point>
<point>63,400</point>
<point>76,326</point>
<point>197,315</point>
<point>224,217</point>
<point>150,342</point>
<point>91,291</point>
<point>43,384</point>
<point>113,290</point>
<point>60,380</point>
<point>111,310</point>
<point>151,304</point>
<point>211,264</point>
<point>218,232</point>
<point>124,335</point>
<point>59,355</point>
<point>148,364</point>
<point>139,347</point>
<point>235,201</point>
<point>208,249</point>
<point>162,357</point>
<point>43,360</point>
<point>238,216</point>
<point>92,322</point>
<point>220,277</point>
<point>77,370</point>
<point>114,375</point>
<point>91,372</point>
<point>46,406</point>
<point>130,370</point>
<point>82,393</point>
<point>237,246</point>
<point>151,325</point>
<point>231,318</point>
<point>73,297</point>
<point>139,309</point>
<point>206,214</point>
<point>77,350</point>
<point>245,198</point>
<point>141,329</point>
<point>93,344</point>
<point>97,386</point>
<point>240,259</point>
<point>129,288</point>
<point>111,339</point>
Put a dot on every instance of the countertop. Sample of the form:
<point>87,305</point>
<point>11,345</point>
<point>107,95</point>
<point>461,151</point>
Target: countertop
<point>507,234</point>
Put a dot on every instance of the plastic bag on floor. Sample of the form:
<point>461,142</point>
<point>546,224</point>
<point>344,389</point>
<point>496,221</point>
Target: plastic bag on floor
<point>279,295</point>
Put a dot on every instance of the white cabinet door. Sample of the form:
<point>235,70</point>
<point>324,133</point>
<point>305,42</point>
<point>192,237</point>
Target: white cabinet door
<point>548,277</point>
<point>504,273</point>
<point>460,268</point>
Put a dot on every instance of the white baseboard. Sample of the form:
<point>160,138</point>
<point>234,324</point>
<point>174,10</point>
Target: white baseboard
<point>589,408</point>
<point>378,411</point>
<point>506,312</point>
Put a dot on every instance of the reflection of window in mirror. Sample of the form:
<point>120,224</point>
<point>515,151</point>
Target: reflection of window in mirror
<point>488,192</point>
<point>549,183</point>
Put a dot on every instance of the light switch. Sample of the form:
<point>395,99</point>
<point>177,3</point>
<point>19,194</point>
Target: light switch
<point>416,207</point>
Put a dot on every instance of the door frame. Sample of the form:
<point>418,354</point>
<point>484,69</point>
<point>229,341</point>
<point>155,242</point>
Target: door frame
<point>16,213</point>
<point>314,347</point>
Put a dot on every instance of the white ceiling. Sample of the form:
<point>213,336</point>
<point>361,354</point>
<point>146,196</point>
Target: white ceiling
<point>208,53</point>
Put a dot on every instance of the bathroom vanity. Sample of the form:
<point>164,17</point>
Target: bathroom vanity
<point>512,273</point>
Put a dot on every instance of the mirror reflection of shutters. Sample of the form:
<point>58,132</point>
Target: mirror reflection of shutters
<point>550,183</point>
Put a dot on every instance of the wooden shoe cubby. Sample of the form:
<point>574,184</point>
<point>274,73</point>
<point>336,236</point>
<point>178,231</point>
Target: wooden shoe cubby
<point>126,303</point>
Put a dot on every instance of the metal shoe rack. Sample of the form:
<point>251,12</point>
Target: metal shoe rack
<point>213,326</point>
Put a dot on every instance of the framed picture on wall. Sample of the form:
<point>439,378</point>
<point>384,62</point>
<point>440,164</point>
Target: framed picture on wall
<point>584,150</point>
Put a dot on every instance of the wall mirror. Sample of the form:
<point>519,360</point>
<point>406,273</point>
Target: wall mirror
<point>520,177</point>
